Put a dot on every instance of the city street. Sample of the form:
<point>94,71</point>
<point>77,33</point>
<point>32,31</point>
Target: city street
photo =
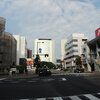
<point>70,86</point>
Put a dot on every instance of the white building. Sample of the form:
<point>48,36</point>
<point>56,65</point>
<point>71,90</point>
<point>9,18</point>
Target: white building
<point>21,47</point>
<point>73,48</point>
<point>43,47</point>
<point>63,42</point>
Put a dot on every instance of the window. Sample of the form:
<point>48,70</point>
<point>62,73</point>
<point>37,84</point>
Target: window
<point>84,39</point>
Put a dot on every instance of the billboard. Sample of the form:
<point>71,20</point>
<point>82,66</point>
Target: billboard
<point>97,32</point>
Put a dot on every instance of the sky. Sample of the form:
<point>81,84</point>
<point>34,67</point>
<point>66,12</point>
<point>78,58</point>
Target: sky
<point>54,19</point>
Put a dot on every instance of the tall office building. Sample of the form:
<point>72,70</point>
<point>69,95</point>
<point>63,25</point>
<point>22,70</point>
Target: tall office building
<point>45,48</point>
<point>7,49</point>
<point>2,25</point>
<point>73,48</point>
<point>21,47</point>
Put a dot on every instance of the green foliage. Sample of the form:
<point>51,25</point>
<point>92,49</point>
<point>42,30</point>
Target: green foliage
<point>65,70</point>
<point>59,66</point>
<point>50,65</point>
<point>78,61</point>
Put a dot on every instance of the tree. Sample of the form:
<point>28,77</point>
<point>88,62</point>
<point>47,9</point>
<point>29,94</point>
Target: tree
<point>78,61</point>
<point>50,65</point>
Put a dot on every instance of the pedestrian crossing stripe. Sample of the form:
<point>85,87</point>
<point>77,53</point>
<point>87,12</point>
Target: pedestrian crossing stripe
<point>95,96</point>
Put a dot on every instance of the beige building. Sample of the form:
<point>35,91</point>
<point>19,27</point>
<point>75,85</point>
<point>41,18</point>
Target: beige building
<point>7,49</point>
<point>63,42</point>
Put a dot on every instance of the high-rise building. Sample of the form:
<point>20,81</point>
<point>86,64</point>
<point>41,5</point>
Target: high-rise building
<point>2,25</point>
<point>21,47</point>
<point>45,48</point>
<point>73,48</point>
<point>7,49</point>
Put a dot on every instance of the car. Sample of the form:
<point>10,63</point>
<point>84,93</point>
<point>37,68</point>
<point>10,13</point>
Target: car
<point>78,70</point>
<point>44,72</point>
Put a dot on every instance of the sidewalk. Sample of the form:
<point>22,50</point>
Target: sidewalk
<point>28,75</point>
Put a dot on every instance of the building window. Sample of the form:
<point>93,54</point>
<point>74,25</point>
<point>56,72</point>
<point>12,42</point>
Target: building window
<point>84,39</point>
<point>75,40</point>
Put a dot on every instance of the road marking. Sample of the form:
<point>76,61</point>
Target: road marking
<point>98,93</point>
<point>91,97</point>
<point>48,80</point>
<point>41,99</point>
<point>74,98</point>
<point>2,79</point>
<point>31,81</point>
<point>64,79</point>
<point>57,98</point>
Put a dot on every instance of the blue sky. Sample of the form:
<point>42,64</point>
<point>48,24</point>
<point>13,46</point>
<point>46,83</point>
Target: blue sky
<point>55,19</point>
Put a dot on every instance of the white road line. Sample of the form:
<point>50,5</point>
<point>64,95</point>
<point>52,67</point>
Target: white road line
<point>91,97</point>
<point>98,93</point>
<point>74,97</point>
<point>64,79</point>
<point>57,98</point>
<point>24,99</point>
<point>2,79</point>
<point>41,99</point>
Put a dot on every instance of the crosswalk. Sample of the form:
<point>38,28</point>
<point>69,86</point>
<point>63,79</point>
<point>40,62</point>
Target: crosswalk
<point>95,96</point>
<point>32,80</point>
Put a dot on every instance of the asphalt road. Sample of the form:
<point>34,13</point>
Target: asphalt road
<point>61,86</point>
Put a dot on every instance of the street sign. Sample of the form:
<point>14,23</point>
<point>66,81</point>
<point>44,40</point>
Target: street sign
<point>40,50</point>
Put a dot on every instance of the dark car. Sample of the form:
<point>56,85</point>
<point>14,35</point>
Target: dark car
<point>78,70</point>
<point>44,72</point>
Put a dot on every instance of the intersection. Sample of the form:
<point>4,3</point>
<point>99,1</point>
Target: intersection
<point>57,86</point>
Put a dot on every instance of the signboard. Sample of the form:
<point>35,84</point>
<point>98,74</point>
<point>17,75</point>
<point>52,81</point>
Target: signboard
<point>28,67</point>
<point>40,50</point>
<point>97,32</point>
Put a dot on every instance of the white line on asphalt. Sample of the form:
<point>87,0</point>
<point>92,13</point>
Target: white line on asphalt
<point>41,99</point>
<point>74,98</point>
<point>57,98</point>
<point>2,79</point>
<point>98,93</point>
<point>64,79</point>
<point>91,97</point>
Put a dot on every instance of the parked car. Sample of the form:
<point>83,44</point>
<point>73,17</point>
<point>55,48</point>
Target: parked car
<point>78,70</point>
<point>44,72</point>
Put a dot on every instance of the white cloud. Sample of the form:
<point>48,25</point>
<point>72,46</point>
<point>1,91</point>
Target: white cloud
<point>55,19</point>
